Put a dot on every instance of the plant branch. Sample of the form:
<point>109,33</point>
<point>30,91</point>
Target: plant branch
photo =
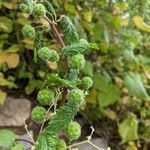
<point>86,141</point>
<point>24,140</point>
<point>26,128</point>
<point>53,104</point>
<point>55,31</point>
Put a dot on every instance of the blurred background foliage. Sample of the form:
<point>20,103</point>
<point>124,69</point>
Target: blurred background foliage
<point>118,104</point>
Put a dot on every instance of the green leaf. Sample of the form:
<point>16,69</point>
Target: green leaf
<point>46,141</point>
<point>37,44</point>
<point>32,85</point>
<point>54,79</point>
<point>69,30</point>
<point>76,48</point>
<point>110,97</point>
<point>128,128</point>
<point>70,8</point>
<point>129,56</point>
<point>88,69</point>
<point>134,84</point>
<point>6,25</point>
<point>63,117</point>
<point>50,9</point>
<point>13,49</point>
<point>7,138</point>
<point>108,93</point>
<point>106,36</point>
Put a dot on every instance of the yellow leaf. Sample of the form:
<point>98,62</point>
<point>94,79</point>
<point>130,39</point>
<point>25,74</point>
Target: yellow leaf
<point>11,59</point>
<point>3,96</point>
<point>110,114</point>
<point>13,49</point>
<point>92,97</point>
<point>139,23</point>
<point>52,65</point>
<point>131,146</point>
<point>87,16</point>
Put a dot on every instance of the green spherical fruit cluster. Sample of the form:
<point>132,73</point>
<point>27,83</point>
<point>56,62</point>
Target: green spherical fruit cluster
<point>45,97</point>
<point>39,10</point>
<point>46,54</point>
<point>28,31</point>
<point>77,62</point>
<point>61,145</point>
<point>73,131</point>
<point>87,82</point>
<point>25,8</point>
<point>38,114</point>
<point>76,95</point>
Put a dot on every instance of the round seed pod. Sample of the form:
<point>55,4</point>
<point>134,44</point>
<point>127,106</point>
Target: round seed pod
<point>38,114</point>
<point>25,8</point>
<point>61,145</point>
<point>39,10</point>
<point>46,54</point>
<point>73,131</point>
<point>77,62</point>
<point>87,82</point>
<point>28,31</point>
<point>75,95</point>
<point>45,97</point>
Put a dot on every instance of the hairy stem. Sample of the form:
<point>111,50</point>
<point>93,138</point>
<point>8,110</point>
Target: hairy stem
<point>55,31</point>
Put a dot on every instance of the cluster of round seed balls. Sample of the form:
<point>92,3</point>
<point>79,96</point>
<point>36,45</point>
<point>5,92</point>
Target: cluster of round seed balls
<point>47,54</point>
<point>73,130</point>
<point>38,9</point>
<point>77,62</point>
<point>45,96</point>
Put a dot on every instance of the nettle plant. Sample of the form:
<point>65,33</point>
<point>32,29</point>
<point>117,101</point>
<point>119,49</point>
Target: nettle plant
<point>70,88</point>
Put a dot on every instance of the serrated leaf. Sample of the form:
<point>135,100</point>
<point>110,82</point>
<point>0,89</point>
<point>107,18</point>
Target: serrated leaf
<point>135,86</point>
<point>37,44</point>
<point>76,48</point>
<point>128,128</point>
<point>108,93</point>
<point>69,30</point>
<point>53,79</point>
<point>110,97</point>
<point>7,138</point>
<point>46,141</point>
<point>50,9</point>
<point>63,117</point>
